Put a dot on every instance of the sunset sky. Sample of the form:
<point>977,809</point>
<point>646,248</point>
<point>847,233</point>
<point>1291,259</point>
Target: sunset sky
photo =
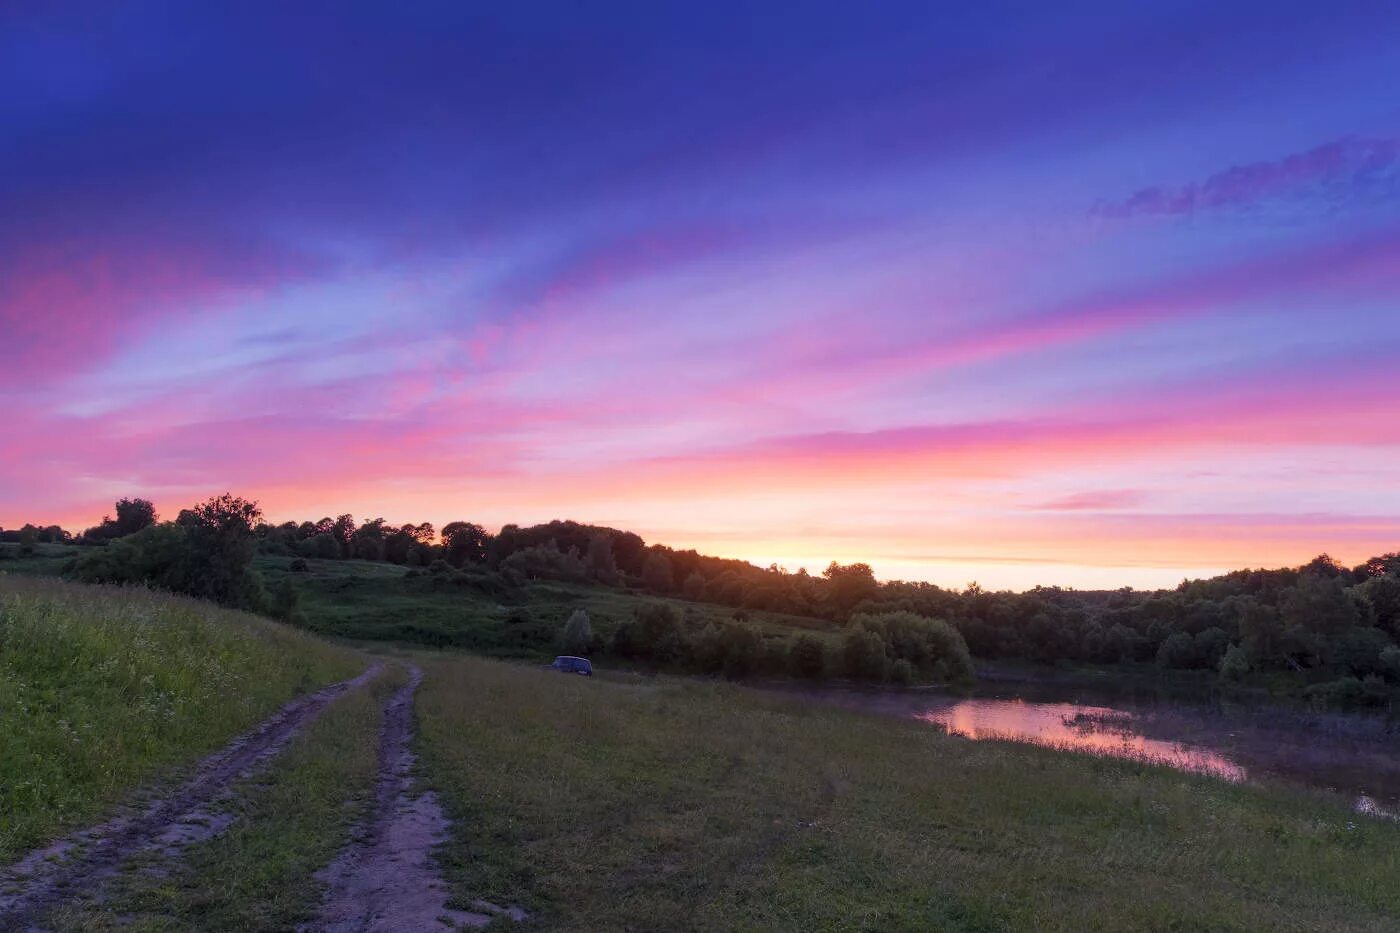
<point>1079,294</point>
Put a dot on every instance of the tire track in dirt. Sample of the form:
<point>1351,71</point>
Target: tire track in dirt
<point>386,880</point>
<point>80,863</point>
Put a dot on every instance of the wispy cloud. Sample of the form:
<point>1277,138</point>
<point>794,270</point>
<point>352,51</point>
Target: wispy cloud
<point>1345,170</point>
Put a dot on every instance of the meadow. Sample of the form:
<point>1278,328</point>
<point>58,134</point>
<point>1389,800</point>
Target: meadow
<point>104,688</point>
<point>656,803</point>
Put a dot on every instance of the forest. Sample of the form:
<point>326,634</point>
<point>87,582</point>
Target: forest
<point>1336,628</point>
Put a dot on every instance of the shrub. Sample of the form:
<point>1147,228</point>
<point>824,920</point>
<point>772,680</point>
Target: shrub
<point>627,640</point>
<point>578,633</point>
<point>1234,664</point>
<point>656,573</point>
<point>1349,691</point>
<point>902,672</point>
<point>742,646</point>
<point>694,587</point>
<point>545,562</point>
<point>1178,651</point>
<point>864,654</point>
<point>807,657</point>
<point>931,646</point>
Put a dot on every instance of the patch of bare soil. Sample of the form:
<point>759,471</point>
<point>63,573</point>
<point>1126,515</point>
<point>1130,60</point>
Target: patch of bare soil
<point>162,825</point>
<point>386,879</point>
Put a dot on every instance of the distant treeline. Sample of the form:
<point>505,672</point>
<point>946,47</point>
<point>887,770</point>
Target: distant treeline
<point>1337,625</point>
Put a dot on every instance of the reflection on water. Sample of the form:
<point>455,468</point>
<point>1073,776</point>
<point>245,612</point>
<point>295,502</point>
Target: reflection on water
<point>1094,729</point>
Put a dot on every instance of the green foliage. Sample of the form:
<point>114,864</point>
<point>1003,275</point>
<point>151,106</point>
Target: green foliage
<point>544,562</point>
<point>742,647</point>
<point>1383,596</point>
<point>133,515</point>
<point>207,553</point>
<point>602,566</point>
<point>578,634</point>
<point>694,587</point>
<point>902,672</point>
<point>101,687</point>
<point>807,657</point>
<point>848,586</point>
<point>1178,651</point>
<point>1234,664</point>
<point>656,573</point>
<point>863,652</point>
<point>1349,692</point>
<point>931,646</point>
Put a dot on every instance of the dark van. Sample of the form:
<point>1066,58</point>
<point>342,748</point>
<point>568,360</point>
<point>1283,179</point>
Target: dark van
<point>568,664</point>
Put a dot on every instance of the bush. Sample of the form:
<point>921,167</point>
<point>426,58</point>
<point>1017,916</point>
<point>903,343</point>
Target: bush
<point>902,672</point>
<point>627,640</point>
<point>1178,651</point>
<point>578,633</point>
<point>1234,664</point>
<point>742,647</point>
<point>931,646</point>
<point>864,654</point>
<point>807,657</point>
<point>694,587</point>
<point>1348,692</point>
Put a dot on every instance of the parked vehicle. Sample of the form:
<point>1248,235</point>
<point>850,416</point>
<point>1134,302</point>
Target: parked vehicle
<point>568,664</point>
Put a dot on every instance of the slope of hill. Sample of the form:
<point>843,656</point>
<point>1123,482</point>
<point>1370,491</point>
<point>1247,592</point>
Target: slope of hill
<point>104,688</point>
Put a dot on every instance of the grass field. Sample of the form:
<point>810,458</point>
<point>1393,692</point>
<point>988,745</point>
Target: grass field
<point>661,804</point>
<point>102,688</point>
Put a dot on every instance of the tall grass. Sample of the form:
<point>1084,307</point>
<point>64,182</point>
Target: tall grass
<point>102,688</point>
<point>660,804</point>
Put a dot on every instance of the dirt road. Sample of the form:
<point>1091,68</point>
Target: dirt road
<point>386,880</point>
<point>82,862</point>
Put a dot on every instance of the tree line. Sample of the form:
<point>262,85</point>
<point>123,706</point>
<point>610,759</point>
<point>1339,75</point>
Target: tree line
<point>1339,626</point>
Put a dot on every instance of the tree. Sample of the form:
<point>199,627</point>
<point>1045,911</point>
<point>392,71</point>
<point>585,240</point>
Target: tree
<point>221,551</point>
<point>602,566</point>
<point>659,632</point>
<point>931,646</point>
<point>694,586</point>
<point>807,656</point>
<point>343,531</point>
<point>1234,664</point>
<point>656,573</point>
<point>1316,612</point>
<point>1261,632</point>
<point>1178,651</point>
<point>578,633</point>
<point>742,645</point>
<point>848,586</point>
<point>864,654</point>
<point>134,515</point>
<point>466,543</point>
<point>1382,593</point>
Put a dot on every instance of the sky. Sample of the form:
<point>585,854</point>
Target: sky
<point>1087,294</point>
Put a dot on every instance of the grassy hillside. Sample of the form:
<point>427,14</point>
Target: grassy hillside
<point>102,688</point>
<point>387,602</point>
<point>662,804</point>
